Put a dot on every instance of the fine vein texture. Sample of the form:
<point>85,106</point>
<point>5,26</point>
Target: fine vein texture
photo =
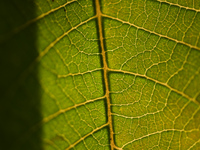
<point>91,74</point>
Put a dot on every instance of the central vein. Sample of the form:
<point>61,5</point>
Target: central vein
<point>105,73</point>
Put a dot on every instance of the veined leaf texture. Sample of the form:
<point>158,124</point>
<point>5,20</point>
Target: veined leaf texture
<point>102,74</point>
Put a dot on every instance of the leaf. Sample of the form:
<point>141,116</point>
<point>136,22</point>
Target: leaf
<point>80,74</point>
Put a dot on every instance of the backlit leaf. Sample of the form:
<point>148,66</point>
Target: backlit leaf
<point>110,74</point>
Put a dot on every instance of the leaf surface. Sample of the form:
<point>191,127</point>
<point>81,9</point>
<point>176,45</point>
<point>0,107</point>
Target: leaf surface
<point>83,74</point>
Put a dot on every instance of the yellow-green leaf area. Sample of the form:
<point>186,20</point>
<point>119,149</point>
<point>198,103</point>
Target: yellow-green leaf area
<point>100,75</point>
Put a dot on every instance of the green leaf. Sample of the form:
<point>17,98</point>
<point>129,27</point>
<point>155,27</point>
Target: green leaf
<point>83,74</point>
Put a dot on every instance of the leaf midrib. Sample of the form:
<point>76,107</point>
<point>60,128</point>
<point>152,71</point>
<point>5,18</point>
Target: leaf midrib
<point>105,74</point>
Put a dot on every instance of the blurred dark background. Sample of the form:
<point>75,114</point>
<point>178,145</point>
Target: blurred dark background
<point>19,86</point>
